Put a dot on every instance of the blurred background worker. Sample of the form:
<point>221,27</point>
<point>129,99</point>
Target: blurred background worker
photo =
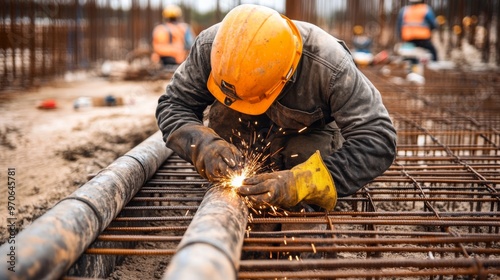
<point>415,24</point>
<point>291,84</point>
<point>172,39</point>
<point>362,43</point>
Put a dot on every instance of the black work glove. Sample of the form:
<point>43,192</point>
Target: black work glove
<point>270,189</point>
<point>212,156</point>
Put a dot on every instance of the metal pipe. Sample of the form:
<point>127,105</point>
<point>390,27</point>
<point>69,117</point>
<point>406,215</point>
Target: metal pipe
<point>48,247</point>
<point>211,246</point>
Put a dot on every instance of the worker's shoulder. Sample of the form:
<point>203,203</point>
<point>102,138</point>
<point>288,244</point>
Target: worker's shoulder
<point>321,45</point>
<point>160,26</point>
<point>313,34</point>
<point>207,35</point>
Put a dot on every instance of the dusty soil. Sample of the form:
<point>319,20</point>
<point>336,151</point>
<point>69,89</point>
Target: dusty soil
<point>53,151</point>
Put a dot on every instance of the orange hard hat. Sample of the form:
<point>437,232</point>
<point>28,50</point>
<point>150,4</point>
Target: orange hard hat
<point>358,30</point>
<point>172,11</point>
<point>254,54</point>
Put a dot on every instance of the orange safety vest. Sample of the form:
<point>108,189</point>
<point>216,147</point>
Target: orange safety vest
<point>169,40</point>
<point>414,26</point>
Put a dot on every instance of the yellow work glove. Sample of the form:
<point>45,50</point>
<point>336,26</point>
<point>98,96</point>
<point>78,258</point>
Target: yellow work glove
<point>309,181</point>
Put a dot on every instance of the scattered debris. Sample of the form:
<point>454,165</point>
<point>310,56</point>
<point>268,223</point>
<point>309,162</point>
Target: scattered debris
<point>88,102</point>
<point>47,104</point>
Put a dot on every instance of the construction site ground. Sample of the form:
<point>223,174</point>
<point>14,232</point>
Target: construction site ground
<point>54,150</point>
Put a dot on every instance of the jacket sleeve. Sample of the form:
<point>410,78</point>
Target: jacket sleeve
<point>399,23</point>
<point>186,96</point>
<point>370,138</point>
<point>431,18</point>
<point>188,37</point>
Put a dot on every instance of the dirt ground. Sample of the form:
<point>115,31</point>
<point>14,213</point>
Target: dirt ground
<point>53,151</point>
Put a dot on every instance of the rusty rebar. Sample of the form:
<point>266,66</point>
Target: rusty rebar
<point>56,240</point>
<point>211,246</point>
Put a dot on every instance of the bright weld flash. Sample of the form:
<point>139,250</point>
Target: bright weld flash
<point>255,161</point>
<point>237,180</point>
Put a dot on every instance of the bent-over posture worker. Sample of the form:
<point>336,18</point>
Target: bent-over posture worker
<point>262,73</point>
<point>172,39</point>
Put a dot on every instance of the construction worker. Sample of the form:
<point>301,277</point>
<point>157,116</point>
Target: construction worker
<point>362,44</point>
<point>264,76</point>
<point>172,39</point>
<point>415,24</point>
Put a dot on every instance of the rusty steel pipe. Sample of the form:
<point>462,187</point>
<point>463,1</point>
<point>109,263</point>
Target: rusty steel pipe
<point>211,245</point>
<point>48,247</point>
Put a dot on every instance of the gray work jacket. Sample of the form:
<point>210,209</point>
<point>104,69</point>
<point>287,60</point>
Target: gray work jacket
<point>326,87</point>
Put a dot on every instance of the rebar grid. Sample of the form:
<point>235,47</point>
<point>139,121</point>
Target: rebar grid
<point>435,212</point>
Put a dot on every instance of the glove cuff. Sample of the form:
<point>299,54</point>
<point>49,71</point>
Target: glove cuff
<point>314,183</point>
<point>188,140</point>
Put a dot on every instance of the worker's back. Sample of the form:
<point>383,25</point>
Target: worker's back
<point>173,38</point>
<point>169,40</point>
<point>414,25</point>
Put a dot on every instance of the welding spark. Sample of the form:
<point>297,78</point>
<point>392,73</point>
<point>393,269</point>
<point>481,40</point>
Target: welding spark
<point>257,154</point>
<point>254,162</point>
<point>313,247</point>
<point>301,130</point>
<point>237,181</point>
<point>235,178</point>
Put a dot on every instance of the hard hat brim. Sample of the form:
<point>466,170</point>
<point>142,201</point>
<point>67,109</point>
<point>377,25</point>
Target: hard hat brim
<point>242,106</point>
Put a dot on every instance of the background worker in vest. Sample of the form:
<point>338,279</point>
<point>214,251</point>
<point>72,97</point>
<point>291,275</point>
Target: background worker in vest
<point>173,38</point>
<point>415,24</point>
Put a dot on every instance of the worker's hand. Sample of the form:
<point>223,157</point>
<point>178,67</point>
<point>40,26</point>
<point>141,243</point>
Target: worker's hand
<point>271,189</point>
<point>309,181</point>
<point>215,158</point>
<point>212,156</point>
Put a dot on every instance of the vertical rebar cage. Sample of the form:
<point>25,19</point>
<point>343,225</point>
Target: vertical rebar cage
<point>43,40</point>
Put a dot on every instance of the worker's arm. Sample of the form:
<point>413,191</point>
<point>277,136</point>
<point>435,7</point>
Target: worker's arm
<point>180,114</point>
<point>370,137</point>
<point>430,18</point>
<point>212,156</point>
<point>188,37</point>
<point>348,97</point>
<point>399,24</point>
